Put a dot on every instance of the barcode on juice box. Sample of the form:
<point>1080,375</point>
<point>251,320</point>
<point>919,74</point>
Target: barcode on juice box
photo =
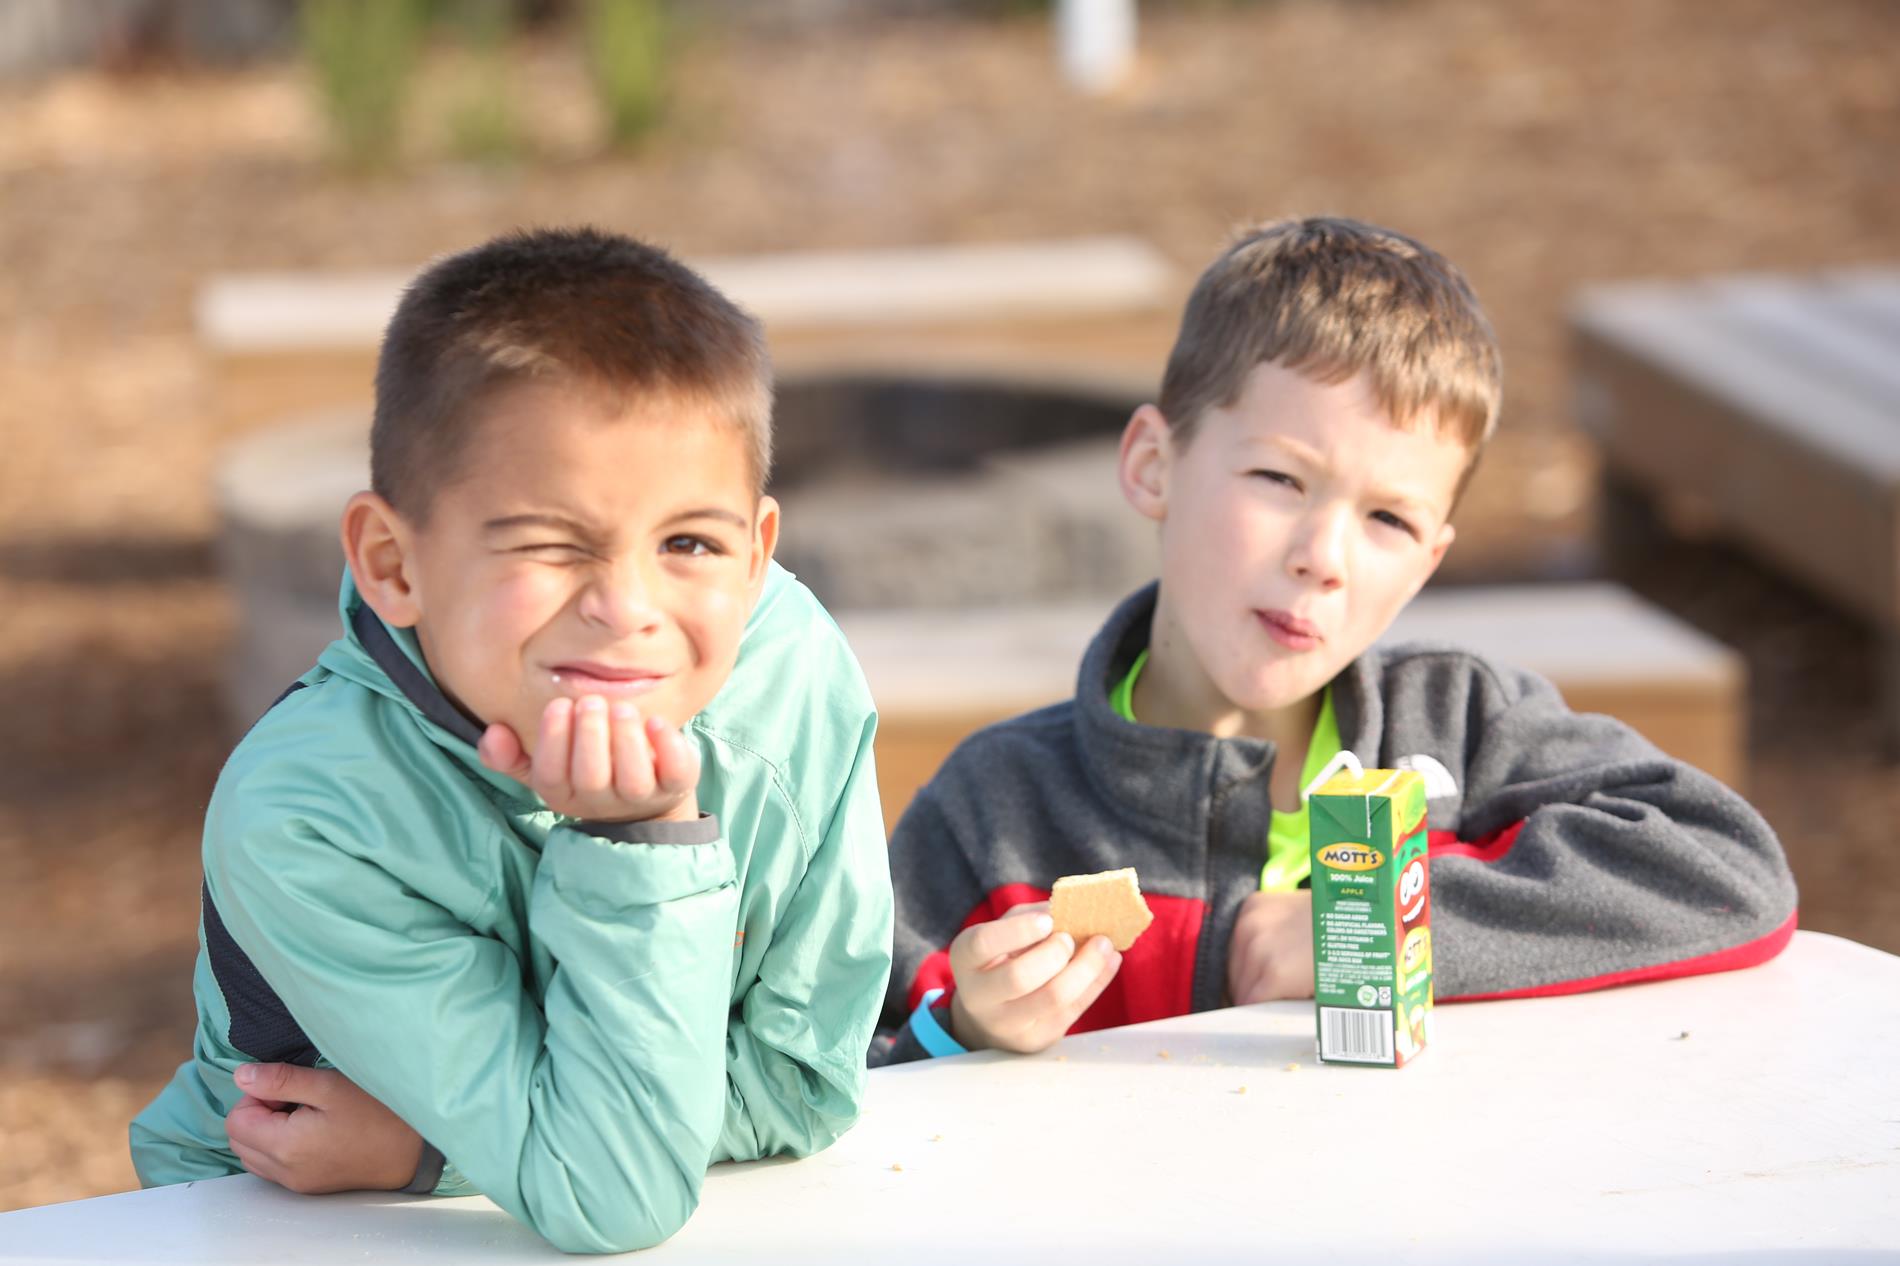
<point>1361,1036</point>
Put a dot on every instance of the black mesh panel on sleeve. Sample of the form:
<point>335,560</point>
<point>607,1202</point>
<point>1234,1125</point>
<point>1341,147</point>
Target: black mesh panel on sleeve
<point>261,1025</point>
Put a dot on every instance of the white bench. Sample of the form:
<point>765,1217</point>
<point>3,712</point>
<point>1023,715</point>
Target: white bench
<point>1766,411</point>
<point>1093,312</point>
<point>939,675</point>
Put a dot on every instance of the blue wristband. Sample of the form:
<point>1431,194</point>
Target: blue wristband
<point>929,1034</point>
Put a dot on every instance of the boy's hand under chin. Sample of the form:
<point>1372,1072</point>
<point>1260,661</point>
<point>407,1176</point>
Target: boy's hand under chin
<point>601,762</point>
<point>314,1131</point>
<point>1271,955</point>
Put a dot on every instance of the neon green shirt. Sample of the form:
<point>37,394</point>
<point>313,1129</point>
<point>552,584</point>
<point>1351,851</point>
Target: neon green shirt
<point>1288,860</point>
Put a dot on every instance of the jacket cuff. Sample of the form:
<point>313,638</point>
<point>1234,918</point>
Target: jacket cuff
<point>428,1172</point>
<point>704,830</point>
<point>602,876</point>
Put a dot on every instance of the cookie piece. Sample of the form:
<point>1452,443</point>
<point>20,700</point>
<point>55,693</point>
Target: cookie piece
<point>1106,904</point>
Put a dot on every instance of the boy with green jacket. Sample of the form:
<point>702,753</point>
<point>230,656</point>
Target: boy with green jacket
<point>566,857</point>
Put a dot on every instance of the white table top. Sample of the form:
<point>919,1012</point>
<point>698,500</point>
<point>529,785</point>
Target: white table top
<point>1748,1117</point>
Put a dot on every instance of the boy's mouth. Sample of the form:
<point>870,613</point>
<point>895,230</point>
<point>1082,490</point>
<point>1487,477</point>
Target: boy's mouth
<point>1289,630</point>
<point>588,678</point>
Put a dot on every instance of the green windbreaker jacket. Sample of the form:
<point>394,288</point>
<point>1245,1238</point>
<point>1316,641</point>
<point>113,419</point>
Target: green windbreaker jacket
<point>577,1017</point>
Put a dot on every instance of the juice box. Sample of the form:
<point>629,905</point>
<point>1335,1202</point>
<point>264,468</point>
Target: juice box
<point>1372,940</point>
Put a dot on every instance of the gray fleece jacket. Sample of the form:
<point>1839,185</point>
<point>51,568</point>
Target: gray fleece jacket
<point>1568,852</point>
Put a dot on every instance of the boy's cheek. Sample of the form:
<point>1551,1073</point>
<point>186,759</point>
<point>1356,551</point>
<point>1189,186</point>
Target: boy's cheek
<point>520,595</point>
<point>720,628</point>
<point>487,655</point>
<point>502,627</point>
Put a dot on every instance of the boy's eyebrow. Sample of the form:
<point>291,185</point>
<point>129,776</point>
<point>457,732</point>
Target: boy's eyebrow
<point>559,522</point>
<point>711,512</point>
<point>1305,452</point>
<point>1404,501</point>
<point>562,523</point>
<point>1312,457</point>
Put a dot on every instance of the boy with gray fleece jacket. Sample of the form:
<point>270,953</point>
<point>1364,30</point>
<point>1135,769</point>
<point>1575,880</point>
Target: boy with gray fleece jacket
<point>1322,410</point>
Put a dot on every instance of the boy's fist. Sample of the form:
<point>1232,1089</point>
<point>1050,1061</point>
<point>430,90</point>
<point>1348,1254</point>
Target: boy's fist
<point>1020,987</point>
<point>1271,955</point>
<point>314,1131</point>
<point>601,762</point>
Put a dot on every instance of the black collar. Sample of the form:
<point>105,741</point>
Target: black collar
<point>412,681</point>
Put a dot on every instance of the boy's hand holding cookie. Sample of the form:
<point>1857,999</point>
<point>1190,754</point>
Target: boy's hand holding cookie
<point>1021,983</point>
<point>1271,955</point>
<point>601,761</point>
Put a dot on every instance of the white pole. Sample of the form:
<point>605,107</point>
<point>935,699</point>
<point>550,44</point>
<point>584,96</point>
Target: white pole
<point>1095,40</point>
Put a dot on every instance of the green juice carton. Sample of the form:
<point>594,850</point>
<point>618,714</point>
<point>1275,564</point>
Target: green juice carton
<point>1372,938</point>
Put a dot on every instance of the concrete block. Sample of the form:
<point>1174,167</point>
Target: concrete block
<point>280,496</point>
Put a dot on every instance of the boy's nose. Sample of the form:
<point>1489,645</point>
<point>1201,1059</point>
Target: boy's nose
<point>621,601</point>
<point>1318,551</point>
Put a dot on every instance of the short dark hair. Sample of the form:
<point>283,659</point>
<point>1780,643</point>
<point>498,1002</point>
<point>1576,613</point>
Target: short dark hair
<point>1330,298</point>
<point>584,307</point>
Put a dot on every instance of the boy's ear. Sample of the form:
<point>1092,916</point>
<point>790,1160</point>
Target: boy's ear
<point>378,545</point>
<point>764,541</point>
<point>1446,533</point>
<point>1147,450</point>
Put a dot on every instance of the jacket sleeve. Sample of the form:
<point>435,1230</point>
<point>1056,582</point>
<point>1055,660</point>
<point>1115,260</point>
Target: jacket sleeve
<point>935,892</point>
<point>167,1137</point>
<point>591,1118</point>
<point>1586,857</point>
<point>795,1042</point>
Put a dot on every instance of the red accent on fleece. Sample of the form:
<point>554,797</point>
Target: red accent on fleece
<point>1750,954</point>
<point>1495,845</point>
<point>1156,979</point>
<point>1488,848</point>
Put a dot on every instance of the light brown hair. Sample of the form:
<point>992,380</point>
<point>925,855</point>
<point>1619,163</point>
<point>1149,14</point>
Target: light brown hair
<point>1332,298</point>
<point>594,310</point>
